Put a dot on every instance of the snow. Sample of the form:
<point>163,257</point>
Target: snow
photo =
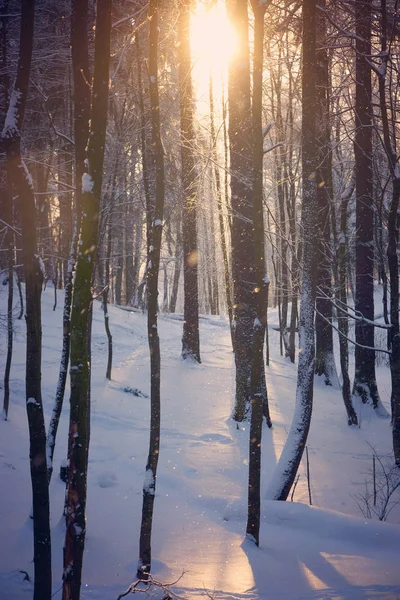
<point>87,183</point>
<point>33,401</point>
<point>324,551</point>
<point>10,128</point>
<point>149,482</point>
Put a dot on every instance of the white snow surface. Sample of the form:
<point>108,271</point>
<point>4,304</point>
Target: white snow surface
<point>87,183</point>
<point>320,552</point>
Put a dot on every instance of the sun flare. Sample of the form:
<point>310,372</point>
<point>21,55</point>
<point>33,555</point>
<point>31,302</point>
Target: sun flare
<point>212,41</point>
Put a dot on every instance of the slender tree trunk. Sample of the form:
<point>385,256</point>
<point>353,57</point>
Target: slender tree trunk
<point>104,275</point>
<point>259,398</point>
<point>80,65</point>
<point>240,147</point>
<point>10,332</point>
<point>289,461</point>
<point>7,215</point>
<point>218,186</point>
<point>342,315</point>
<point>177,269</point>
<point>364,379</point>
<point>153,266</point>
<point>393,242</point>
<point>79,425</point>
<point>190,337</point>
<point>325,359</point>
<point>33,272</point>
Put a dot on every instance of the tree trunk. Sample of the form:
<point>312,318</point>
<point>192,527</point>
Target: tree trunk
<point>33,272</point>
<point>240,147</point>
<point>221,223</point>
<point>259,398</point>
<point>324,359</point>
<point>177,269</point>
<point>364,379</point>
<point>79,425</point>
<point>190,337</point>
<point>7,216</point>
<point>80,65</point>
<point>342,315</point>
<point>393,242</point>
<point>153,266</point>
<point>289,461</point>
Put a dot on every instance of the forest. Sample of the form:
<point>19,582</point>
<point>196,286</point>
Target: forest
<point>199,272</point>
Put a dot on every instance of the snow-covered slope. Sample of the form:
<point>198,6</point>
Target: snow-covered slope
<point>200,509</point>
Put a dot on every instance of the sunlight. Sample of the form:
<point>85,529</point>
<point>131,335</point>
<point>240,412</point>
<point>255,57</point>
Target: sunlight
<point>212,43</point>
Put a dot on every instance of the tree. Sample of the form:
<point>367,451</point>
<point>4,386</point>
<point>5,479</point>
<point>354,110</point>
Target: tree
<point>393,235</point>
<point>190,338</point>
<point>222,233</point>
<point>153,266</point>
<point>80,67</point>
<point>364,385</point>
<point>289,461</point>
<point>33,272</point>
<point>259,400</point>
<point>324,359</point>
<point>79,423</point>
<point>7,214</point>
<point>240,149</point>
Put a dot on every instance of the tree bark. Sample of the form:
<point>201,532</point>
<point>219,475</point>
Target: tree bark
<point>228,291</point>
<point>393,241</point>
<point>289,461</point>
<point>364,385</point>
<point>259,397</point>
<point>7,216</point>
<point>324,359</point>
<point>80,67</point>
<point>79,425</point>
<point>153,266</point>
<point>240,148</point>
<point>33,272</point>
<point>342,315</point>
<point>190,337</point>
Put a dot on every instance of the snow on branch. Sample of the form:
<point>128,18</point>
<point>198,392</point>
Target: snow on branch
<point>266,150</point>
<point>349,339</point>
<point>357,316</point>
<point>267,128</point>
<point>11,128</point>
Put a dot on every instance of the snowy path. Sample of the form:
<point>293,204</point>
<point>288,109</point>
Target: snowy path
<point>200,509</point>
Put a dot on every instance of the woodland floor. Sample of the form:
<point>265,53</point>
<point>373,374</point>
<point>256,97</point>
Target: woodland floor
<point>327,551</point>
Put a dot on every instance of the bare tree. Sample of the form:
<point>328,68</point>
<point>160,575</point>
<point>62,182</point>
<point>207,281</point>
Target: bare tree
<point>33,272</point>
<point>240,148</point>
<point>289,461</point>
<point>364,378</point>
<point>80,67</point>
<point>79,423</point>
<point>190,338</point>
<point>259,399</point>
<point>153,266</point>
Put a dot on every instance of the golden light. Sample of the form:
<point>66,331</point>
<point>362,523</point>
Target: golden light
<point>212,43</point>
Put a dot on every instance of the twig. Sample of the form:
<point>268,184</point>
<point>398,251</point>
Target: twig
<point>294,488</point>
<point>308,477</point>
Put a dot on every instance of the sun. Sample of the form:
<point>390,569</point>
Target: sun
<point>212,41</point>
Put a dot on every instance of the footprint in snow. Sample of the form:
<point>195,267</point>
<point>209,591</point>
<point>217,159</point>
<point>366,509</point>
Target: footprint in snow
<point>107,479</point>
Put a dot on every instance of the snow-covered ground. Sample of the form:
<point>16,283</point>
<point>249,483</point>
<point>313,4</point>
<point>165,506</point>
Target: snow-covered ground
<point>327,551</point>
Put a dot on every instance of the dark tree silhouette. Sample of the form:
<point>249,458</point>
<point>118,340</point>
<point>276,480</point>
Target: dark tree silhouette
<point>79,423</point>
<point>33,273</point>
